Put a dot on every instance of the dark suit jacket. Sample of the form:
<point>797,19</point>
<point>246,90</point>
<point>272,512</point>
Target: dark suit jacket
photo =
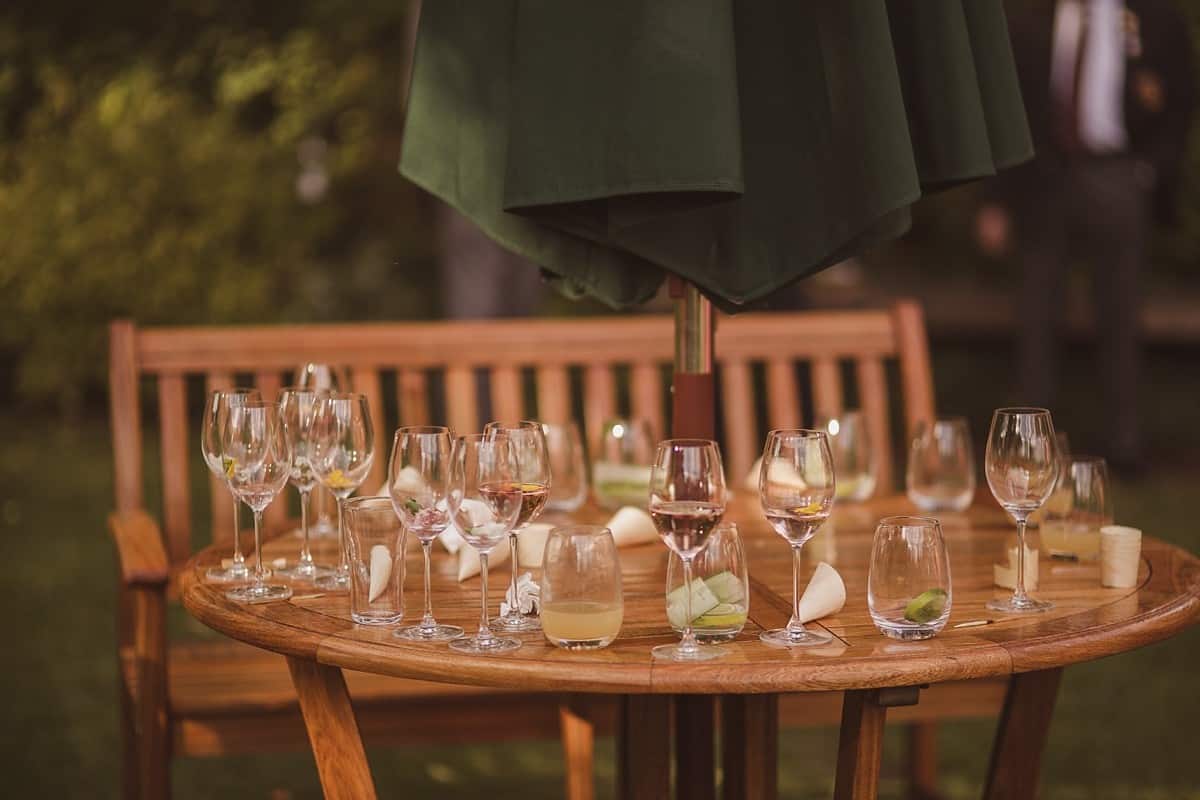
<point>1157,136</point>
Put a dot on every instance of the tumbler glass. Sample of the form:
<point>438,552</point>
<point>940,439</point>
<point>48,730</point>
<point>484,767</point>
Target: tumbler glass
<point>908,583</point>
<point>582,604</point>
<point>941,466</point>
<point>853,454</point>
<point>375,548</point>
<point>720,588</point>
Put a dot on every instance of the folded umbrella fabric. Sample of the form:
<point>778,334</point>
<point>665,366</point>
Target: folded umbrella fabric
<point>738,145</point>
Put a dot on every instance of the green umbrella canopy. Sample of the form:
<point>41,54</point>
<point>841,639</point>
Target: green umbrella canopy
<point>740,145</point>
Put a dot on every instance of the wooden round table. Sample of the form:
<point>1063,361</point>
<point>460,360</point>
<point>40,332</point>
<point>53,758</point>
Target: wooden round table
<point>1088,621</point>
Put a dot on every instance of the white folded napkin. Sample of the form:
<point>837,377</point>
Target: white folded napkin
<point>825,594</point>
<point>528,596</point>
<point>630,527</point>
<point>381,570</point>
<point>1005,575</point>
<point>782,473</point>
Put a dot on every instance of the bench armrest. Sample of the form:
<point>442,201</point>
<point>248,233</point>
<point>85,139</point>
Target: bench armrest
<point>143,560</point>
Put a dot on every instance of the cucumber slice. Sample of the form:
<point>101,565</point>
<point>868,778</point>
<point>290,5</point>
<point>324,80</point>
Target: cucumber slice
<point>926,607</point>
<point>703,600</point>
<point>726,586</point>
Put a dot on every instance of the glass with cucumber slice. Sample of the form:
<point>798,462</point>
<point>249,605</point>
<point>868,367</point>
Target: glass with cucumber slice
<point>719,593</point>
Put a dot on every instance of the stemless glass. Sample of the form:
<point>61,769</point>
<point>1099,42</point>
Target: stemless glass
<point>1022,466</point>
<point>531,474</point>
<point>297,407</point>
<point>582,604</point>
<point>418,473</point>
<point>485,501</point>
<point>908,582</point>
<point>796,487</point>
<point>342,449</point>
<point>853,454</point>
<point>216,417</point>
<point>375,549</point>
<point>720,593</point>
<point>1071,528</point>
<point>941,465</point>
<point>322,378</point>
<point>621,467</point>
<point>687,500</point>
<point>259,462</point>
<point>565,447</point>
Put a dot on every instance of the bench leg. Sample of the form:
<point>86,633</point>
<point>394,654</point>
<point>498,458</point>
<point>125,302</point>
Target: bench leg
<point>151,739</point>
<point>644,747</point>
<point>1021,737</point>
<point>922,761</point>
<point>750,746</point>
<point>578,734</point>
<point>695,759</point>
<point>332,730</point>
<point>860,746</point>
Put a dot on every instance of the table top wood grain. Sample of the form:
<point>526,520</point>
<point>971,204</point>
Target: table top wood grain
<point>1088,621</point>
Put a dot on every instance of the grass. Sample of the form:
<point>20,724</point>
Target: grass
<point>1124,726</point>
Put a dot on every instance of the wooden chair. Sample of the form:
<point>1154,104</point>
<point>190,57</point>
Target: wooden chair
<point>213,698</point>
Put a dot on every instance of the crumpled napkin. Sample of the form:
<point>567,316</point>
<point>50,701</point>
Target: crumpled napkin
<point>528,600</point>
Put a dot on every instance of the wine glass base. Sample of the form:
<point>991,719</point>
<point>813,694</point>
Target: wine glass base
<point>231,574</point>
<point>260,593</point>
<point>334,582</point>
<point>677,652</point>
<point>1024,605</point>
<point>436,633</point>
<point>484,647</point>
<point>305,572</point>
<point>518,623</point>
<point>782,637</point>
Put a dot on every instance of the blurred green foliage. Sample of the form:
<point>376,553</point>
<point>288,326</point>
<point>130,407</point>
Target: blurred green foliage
<point>198,162</point>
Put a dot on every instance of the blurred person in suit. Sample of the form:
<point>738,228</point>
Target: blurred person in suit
<point>1109,88</point>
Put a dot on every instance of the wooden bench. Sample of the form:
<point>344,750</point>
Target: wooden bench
<point>214,698</point>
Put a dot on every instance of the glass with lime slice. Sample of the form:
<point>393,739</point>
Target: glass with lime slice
<point>908,587</point>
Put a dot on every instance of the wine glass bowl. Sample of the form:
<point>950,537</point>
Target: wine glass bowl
<point>1022,467</point>
<point>797,488</point>
<point>687,501</point>
<point>418,480</point>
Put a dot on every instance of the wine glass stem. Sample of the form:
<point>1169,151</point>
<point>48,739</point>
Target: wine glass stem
<point>239,558</point>
<point>514,610</point>
<point>795,626</point>
<point>343,561</point>
<point>1019,592</point>
<point>306,558</point>
<point>688,643</point>
<point>260,571</point>
<point>485,633</point>
<point>427,621</point>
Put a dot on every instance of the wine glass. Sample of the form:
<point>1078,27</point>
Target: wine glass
<point>853,454</point>
<point>941,465</point>
<point>1022,466</point>
<point>322,378</point>
<point>258,461</point>
<point>418,473</point>
<point>342,449</point>
<point>687,500</point>
<point>565,448</point>
<point>797,487</point>
<point>485,500</point>
<point>297,407</point>
<point>531,474</point>
<point>216,418</point>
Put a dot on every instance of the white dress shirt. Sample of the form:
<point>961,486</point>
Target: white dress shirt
<point>1102,82</point>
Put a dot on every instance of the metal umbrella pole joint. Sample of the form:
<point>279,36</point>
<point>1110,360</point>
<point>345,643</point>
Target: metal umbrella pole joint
<point>693,390</point>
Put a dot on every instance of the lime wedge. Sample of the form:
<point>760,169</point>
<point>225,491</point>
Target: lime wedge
<point>926,607</point>
<point>723,615</point>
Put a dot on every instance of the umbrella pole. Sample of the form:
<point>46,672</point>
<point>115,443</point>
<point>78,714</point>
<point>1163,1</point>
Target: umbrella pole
<point>692,388</point>
<point>693,416</point>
